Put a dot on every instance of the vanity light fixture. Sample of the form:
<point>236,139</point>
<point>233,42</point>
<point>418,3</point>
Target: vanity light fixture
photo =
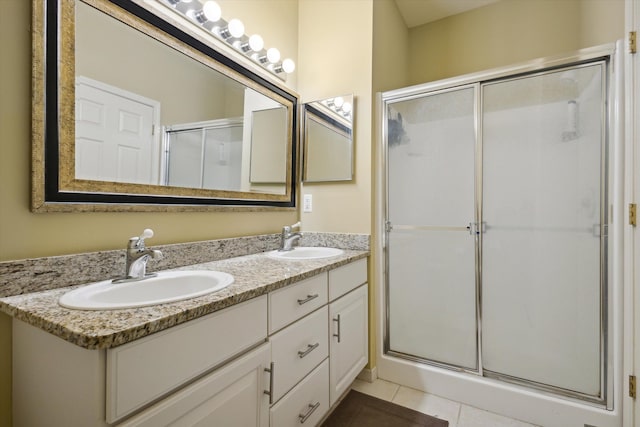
<point>286,66</point>
<point>273,55</point>
<point>209,17</point>
<point>346,109</point>
<point>234,29</point>
<point>253,44</point>
<point>211,11</point>
<point>339,105</point>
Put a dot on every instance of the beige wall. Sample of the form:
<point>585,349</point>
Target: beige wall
<point>26,235</point>
<point>372,52</point>
<point>275,20</point>
<point>187,90</point>
<point>335,45</point>
<point>508,32</point>
<point>390,71</point>
<point>390,48</point>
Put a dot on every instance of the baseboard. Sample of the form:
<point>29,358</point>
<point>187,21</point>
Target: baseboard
<point>368,375</point>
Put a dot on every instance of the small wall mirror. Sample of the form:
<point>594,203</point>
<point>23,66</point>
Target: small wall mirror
<point>133,111</point>
<point>328,139</point>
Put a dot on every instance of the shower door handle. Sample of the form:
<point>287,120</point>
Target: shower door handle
<point>475,228</point>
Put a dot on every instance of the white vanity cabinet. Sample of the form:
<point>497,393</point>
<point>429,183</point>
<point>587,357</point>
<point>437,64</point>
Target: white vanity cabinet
<point>143,370</point>
<point>60,384</point>
<point>312,366</point>
<point>348,315</point>
<point>281,359</point>
<point>230,396</point>
<point>349,340</point>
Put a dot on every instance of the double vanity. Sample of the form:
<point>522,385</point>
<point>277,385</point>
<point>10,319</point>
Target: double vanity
<point>278,346</point>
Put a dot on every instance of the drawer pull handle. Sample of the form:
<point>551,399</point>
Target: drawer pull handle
<point>270,391</point>
<point>337,319</point>
<point>310,348</point>
<point>312,407</point>
<point>307,299</point>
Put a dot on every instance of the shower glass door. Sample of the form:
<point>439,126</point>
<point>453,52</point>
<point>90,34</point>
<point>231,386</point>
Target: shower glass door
<point>430,209</point>
<point>543,242</point>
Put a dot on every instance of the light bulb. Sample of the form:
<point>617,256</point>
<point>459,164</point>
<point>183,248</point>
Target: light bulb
<point>288,66</point>
<point>236,28</point>
<point>338,101</point>
<point>256,43</point>
<point>273,55</point>
<point>212,11</point>
<point>346,107</point>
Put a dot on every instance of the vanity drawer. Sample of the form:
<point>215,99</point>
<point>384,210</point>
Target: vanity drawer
<point>296,350</point>
<point>307,403</point>
<point>346,278</point>
<point>148,368</point>
<point>288,304</point>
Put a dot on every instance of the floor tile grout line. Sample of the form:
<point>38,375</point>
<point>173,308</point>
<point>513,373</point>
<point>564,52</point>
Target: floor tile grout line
<point>458,415</point>
<point>395,393</point>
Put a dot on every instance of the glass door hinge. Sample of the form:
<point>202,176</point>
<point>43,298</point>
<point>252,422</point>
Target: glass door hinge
<point>388,227</point>
<point>632,386</point>
<point>632,42</point>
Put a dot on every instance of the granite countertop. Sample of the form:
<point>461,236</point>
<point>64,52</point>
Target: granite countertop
<point>254,275</point>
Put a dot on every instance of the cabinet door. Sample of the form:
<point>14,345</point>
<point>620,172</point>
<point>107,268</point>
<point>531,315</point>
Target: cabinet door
<point>231,396</point>
<point>349,340</point>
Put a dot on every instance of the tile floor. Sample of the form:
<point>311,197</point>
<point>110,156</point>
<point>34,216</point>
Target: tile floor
<point>458,414</point>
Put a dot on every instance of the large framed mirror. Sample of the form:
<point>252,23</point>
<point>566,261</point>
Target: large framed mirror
<point>328,139</point>
<point>132,112</point>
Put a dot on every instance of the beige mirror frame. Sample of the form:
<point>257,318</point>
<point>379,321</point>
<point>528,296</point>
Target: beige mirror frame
<point>55,187</point>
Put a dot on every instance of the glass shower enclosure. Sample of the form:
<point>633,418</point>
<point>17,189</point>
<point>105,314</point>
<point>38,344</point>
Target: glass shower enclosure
<point>496,218</point>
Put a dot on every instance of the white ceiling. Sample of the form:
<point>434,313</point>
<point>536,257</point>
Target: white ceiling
<point>418,12</point>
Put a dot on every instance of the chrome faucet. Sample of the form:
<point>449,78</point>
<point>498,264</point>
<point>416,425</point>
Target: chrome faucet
<point>137,256</point>
<point>287,238</point>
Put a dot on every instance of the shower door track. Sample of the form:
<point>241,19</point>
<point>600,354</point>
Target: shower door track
<point>587,57</point>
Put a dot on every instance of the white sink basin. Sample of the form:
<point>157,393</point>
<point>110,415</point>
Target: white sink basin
<point>166,287</point>
<point>306,252</point>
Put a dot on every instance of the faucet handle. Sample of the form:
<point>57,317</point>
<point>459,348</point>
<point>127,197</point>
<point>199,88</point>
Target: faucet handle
<point>138,242</point>
<point>147,233</point>
<point>287,228</point>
